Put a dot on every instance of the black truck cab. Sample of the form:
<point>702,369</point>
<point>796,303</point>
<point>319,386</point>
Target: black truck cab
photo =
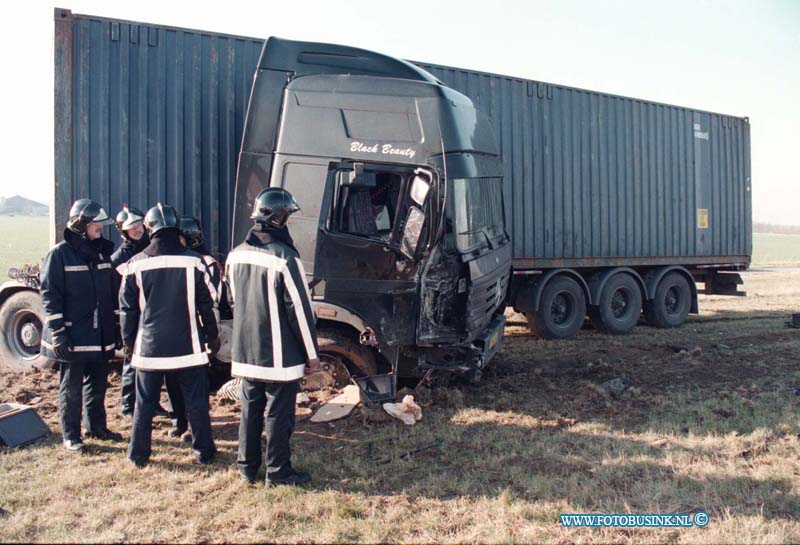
<point>402,230</point>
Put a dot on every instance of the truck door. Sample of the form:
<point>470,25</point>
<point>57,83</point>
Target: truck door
<point>365,254</point>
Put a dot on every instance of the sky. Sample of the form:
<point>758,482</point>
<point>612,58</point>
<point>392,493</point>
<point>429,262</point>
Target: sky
<point>735,57</point>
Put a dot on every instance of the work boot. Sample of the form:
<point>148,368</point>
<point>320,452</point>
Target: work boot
<point>249,479</point>
<point>73,446</point>
<point>138,463</point>
<point>206,459</point>
<point>162,412</point>
<point>177,431</point>
<point>105,435</point>
<point>296,478</point>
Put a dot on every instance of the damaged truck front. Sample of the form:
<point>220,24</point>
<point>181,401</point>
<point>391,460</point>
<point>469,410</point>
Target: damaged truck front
<point>402,228</point>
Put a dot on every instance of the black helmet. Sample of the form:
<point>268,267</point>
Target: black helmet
<point>161,216</point>
<point>128,217</point>
<point>273,206</point>
<point>84,212</point>
<point>192,231</point>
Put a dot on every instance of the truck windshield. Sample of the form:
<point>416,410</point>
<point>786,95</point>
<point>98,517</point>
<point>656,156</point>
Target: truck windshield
<point>479,216</point>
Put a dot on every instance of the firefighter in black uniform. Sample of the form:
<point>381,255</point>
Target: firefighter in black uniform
<point>130,225</point>
<point>274,336</point>
<point>191,236</point>
<point>80,303</point>
<point>164,289</point>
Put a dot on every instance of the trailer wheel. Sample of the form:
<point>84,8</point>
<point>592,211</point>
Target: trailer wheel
<point>340,358</point>
<point>619,306</point>
<point>21,322</point>
<point>562,308</point>
<point>670,307</point>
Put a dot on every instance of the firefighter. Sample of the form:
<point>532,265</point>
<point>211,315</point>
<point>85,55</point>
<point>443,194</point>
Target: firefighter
<point>274,336</point>
<point>80,303</point>
<point>191,236</point>
<point>164,290</point>
<point>130,225</point>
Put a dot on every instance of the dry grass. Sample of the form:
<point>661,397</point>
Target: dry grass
<point>709,422</point>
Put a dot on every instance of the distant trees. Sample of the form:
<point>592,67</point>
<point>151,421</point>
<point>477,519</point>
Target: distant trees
<point>761,227</point>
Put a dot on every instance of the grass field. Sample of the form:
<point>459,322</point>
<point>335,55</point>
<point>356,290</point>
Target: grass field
<point>709,422</point>
<point>774,249</point>
<point>22,240</point>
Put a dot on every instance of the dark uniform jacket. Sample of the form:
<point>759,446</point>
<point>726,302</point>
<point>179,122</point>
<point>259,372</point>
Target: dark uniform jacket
<point>128,249</point>
<point>165,288</point>
<point>214,271</point>
<point>274,331</point>
<point>79,297</point>
<point>219,283</point>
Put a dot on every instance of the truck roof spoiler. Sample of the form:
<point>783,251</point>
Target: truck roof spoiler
<point>305,58</point>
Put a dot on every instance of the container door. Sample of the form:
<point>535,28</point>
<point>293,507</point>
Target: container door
<point>704,215</point>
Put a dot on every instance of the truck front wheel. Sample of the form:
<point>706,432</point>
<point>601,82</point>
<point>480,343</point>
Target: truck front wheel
<point>562,308</point>
<point>21,322</point>
<point>340,358</point>
<point>670,307</point>
<point>619,306</point>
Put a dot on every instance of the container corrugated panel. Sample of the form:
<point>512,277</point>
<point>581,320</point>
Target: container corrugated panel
<point>593,179</point>
<point>148,113</point>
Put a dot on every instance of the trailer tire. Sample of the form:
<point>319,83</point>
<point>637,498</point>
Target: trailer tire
<point>619,306</point>
<point>562,309</point>
<point>21,322</point>
<point>670,306</point>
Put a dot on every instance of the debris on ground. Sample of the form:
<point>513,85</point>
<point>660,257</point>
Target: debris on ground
<point>407,410</point>
<point>373,414</point>
<point>615,387</point>
<point>340,406</point>
<point>303,399</point>
<point>230,390</point>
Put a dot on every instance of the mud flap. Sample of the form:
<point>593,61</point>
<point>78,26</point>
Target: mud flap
<point>382,387</point>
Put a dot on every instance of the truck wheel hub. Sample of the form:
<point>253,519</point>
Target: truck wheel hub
<point>560,308</point>
<point>31,337</point>
<point>333,373</point>
<point>619,303</point>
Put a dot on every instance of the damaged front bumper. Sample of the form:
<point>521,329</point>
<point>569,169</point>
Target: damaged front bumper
<point>468,357</point>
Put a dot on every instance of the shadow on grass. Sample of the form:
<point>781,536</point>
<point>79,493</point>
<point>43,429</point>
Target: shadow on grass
<point>515,432</point>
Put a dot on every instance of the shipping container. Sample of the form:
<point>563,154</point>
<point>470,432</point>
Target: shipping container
<point>147,112</point>
<point>615,206</point>
<point>593,179</point>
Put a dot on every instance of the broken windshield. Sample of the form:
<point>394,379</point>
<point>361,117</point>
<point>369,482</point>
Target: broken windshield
<point>479,219</point>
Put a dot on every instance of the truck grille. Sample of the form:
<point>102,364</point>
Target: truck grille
<point>487,292</point>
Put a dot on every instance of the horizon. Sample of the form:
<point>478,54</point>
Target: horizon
<point>734,57</point>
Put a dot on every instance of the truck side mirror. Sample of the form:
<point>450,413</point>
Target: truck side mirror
<point>419,189</point>
<point>415,220</point>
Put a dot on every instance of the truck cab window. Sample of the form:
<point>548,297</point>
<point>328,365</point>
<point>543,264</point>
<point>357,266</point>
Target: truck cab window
<point>479,218</point>
<point>370,211</point>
